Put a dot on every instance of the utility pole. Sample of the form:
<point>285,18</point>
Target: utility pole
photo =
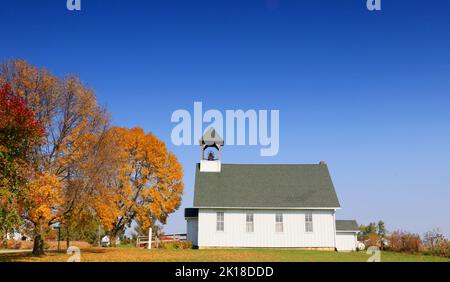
<point>99,239</point>
<point>59,238</point>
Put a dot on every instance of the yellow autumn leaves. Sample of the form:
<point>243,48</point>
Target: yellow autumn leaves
<point>41,197</point>
<point>144,181</point>
<point>85,166</point>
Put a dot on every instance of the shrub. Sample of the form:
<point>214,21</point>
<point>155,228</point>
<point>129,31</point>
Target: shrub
<point>436,244</point>
<point>400,241</point>
<point>11,244</point>
<point>441,249</point>
<point>16,245</point>
<point>372,240</point>
<point>188,245</point>
<point>175,245</point>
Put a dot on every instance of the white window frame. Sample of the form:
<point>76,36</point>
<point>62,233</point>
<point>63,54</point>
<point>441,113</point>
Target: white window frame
<point>220,221</point>
<point>279,228</point>
<point>309,225</point>
<point>249,222</point>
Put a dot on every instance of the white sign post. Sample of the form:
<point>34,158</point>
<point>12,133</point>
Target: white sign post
<point>149,238</point>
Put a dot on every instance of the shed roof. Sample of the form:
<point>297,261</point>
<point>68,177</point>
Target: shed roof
<point>346,225</point>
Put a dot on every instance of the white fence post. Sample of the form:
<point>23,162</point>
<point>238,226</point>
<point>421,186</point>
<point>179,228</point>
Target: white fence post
<point>150,238</point>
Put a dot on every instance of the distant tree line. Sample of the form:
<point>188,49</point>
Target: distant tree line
<point>431,243</point>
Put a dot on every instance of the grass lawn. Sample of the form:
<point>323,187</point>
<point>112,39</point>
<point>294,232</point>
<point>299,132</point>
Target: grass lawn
<point>131,254</point>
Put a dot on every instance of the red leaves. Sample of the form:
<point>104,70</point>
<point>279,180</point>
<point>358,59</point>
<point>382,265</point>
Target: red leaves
<point>19,128</point>
<point>15,113</point>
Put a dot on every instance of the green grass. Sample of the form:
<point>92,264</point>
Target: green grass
<point>130,254</point>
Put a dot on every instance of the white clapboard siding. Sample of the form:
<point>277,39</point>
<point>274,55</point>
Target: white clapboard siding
<point>192,230</point>
<point>346,241</point>
<point>264,235</point>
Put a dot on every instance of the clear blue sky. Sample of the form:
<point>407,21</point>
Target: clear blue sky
<point>369,92</point>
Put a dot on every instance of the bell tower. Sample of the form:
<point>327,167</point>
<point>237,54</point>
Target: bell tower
<point>211,139</point>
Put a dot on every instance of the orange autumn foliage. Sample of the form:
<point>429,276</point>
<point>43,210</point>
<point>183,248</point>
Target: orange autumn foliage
<point>42,200</point>
<point>69,114</point>
<point>114,175</point>
<point>145,184</point>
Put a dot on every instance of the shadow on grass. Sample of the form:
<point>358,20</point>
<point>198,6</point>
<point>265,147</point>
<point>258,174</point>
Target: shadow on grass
<point>95,251</point>
<point>14,257</point>
<point>27,257</point>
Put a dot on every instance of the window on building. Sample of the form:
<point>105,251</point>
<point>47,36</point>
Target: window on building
<point>220,226</point>
<point>279,222</point>
<point>308,222</point>
<point>249,222</point>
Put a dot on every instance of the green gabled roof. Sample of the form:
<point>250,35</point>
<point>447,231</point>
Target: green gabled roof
<point>346,225</point>
<point>264,186</point>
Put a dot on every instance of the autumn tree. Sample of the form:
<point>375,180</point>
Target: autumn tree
<point>69,113</point>
<point>42,201</point>
<point>20,133</point>
<point>145,183</point>
<point>142,230</point>
<point>78,170</point>
<point>373,234</point>
<point>85,226</point>
<point>91,160</point>
<point>436,242</point>
<point>367,230</point>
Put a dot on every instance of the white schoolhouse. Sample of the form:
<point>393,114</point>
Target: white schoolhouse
<point>265,206</point>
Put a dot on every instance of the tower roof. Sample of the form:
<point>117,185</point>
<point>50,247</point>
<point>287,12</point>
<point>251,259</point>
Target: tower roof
<point>211,138</point>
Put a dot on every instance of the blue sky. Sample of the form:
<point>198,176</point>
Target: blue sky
<point>368,92</point>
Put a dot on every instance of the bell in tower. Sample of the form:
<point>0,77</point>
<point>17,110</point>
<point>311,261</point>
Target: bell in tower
<point>211,140</point>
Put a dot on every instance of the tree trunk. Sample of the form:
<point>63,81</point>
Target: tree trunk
<point>67,237</point>
<point>38,246</point>
<point>112,241</point>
